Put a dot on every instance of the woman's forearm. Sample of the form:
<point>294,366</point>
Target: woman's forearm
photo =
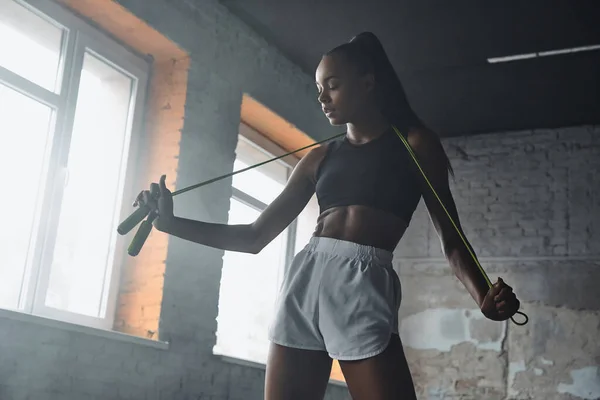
<point>467,271</point>
<point>241,238</point>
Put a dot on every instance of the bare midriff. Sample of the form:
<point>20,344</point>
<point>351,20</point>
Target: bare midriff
<point>362,225</point>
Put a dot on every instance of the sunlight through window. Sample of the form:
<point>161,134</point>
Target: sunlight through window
<point>85,238</point>
<point>28,41</point>
<point>26,132</point>
<point>64,154</point>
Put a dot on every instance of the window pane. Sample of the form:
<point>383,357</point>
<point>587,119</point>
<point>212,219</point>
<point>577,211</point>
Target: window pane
<point>30,46</point>
<point>249,286</point>
<point>25,137</point>
<point>86,232</point>
<point>264,183</point>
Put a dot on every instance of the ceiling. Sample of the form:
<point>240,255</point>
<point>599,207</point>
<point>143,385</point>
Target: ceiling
<point>440,51</point>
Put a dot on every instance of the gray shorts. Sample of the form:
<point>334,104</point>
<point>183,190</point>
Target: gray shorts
<point>339,297</point>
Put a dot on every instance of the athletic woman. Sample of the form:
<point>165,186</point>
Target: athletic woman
<point>340,296</point>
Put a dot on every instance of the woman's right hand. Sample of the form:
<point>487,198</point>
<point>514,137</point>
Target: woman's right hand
<point>160,201</point>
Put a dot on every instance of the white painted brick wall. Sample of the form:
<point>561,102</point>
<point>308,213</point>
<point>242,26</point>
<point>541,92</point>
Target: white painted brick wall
<point>533,193</point>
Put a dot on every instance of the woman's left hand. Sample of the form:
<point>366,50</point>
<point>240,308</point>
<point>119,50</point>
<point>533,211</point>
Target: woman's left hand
<point>500,303</point>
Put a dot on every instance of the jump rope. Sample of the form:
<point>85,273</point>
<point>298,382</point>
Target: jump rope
<point>146,226</point>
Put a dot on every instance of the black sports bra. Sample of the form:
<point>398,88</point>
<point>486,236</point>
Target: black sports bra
<point>377,174</point>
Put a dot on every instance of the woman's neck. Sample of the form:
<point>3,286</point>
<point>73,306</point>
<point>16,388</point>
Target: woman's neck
<point>367,129</point>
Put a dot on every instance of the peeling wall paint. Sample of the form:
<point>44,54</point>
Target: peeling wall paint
<point>513,369</point>
<point>442,328</point>
<point>546,362</point>
<point>586,384</point>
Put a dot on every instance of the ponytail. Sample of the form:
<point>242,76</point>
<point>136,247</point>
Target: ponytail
<point>366,52</point>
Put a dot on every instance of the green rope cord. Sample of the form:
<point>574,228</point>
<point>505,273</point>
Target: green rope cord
<point>187,189</point>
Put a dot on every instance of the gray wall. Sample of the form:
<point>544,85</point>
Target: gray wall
<point>530,205</point>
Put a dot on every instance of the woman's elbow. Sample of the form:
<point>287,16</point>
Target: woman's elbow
<point>257,239</point>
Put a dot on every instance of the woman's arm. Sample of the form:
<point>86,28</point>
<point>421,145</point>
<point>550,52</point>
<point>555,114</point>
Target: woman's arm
<point>498,303</point>
<point>250,238</point>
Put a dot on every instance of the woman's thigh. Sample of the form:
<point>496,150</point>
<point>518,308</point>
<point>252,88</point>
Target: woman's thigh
<point>382,377</point>
<point>296,374</point>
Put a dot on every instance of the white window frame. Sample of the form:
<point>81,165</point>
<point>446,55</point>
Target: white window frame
<point>79,38</point>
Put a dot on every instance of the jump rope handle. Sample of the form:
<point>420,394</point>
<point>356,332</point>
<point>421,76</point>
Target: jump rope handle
<point>145,228</point>
<point>138,215</point>
<point>135,218</point>
<point>141,235</point>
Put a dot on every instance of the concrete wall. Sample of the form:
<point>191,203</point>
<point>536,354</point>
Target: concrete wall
<point>530,205</point>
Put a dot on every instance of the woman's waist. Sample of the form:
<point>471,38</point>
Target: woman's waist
<point>350,250</point>
<point>361,225</point>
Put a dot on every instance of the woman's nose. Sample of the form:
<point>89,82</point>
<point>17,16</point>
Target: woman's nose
<point>323,97</point>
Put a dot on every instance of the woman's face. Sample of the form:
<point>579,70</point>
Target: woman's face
<point>343,93</point>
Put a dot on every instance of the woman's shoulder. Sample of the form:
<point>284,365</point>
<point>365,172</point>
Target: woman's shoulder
<point>314,158</point>
<point>429,149</point>
<point>422,137</point>
<point>318,153</point>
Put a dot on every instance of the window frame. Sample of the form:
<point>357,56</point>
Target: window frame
<point>78,39</point>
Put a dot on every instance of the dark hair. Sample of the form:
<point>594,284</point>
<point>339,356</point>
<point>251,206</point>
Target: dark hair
<point>367,54</point>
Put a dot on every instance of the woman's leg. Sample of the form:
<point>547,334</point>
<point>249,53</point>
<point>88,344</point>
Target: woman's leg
<point>382,377</point>
<point>294,374</point>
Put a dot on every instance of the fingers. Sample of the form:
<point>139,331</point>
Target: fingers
<point>140,200</point>
<point>162,186</point>
<point>506,302</point>
<point>156,190</point>
<point>137,200</point>
<point>499,287</point>
<point>495,290</point>
<point>502,302</point>
<point>503,294</point>
<point>145,198</point>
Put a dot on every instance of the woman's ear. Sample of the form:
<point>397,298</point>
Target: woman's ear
<point>369,82</point>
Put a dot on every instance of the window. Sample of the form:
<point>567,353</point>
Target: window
<point>70,106</point>
<point>250,282</point>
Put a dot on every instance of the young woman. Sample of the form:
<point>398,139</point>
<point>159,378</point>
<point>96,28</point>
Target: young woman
<point>340,297</point>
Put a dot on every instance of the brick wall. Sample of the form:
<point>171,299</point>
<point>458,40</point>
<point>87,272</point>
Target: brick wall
<point>530,206</point>
<point>142,277</point>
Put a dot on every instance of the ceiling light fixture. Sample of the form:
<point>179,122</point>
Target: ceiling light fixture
<point>517,57</point>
